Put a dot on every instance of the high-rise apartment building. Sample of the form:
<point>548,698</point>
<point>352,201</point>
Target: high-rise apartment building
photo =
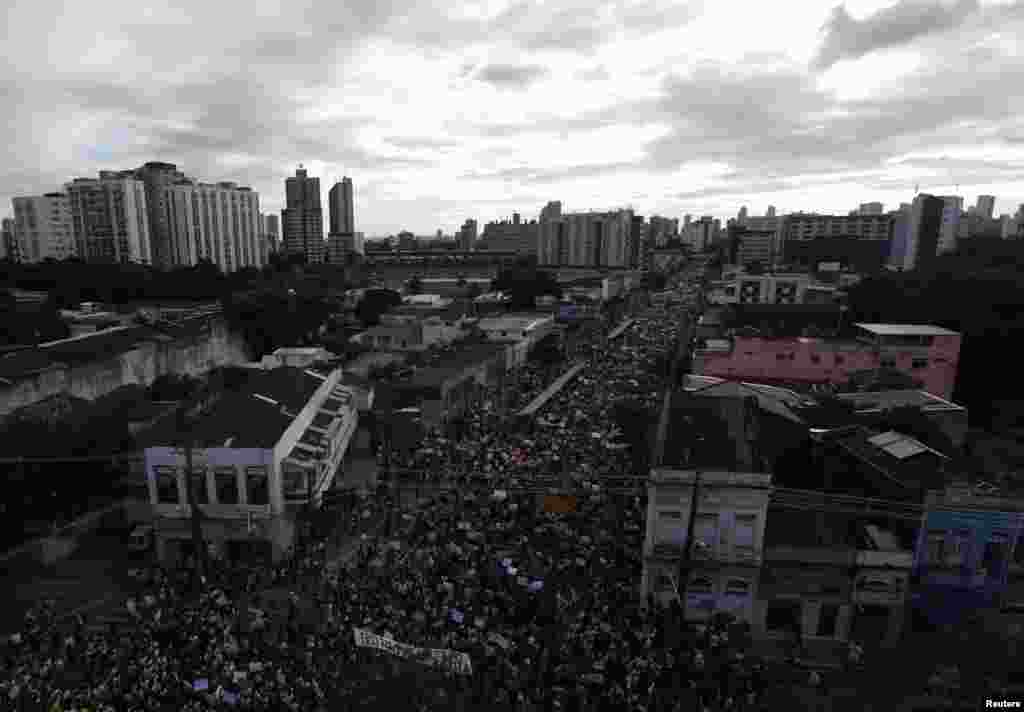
<point>985,206</point>
<point>342,212</point>
<point>342,248</point>
<point>9,249</point>
<point>952,211</point>
<point>272,232</point>
<point>770,213</point>
<point>109,218</point>
<point>468,235</point>
<point>700,233</point>
<point>588,239</point>
<point>663,230</point>
<point>303,219</point>
<point>742,216</point>
<point>922,233</point>
<point>871,209</point>
<point>43,227</point>
<point>156,176</point>
<point>219,222</point>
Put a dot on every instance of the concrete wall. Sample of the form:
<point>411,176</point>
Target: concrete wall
<point>193,355</point>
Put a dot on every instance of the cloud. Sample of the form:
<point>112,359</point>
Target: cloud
<point>901,24</point>
<point>511,75</point>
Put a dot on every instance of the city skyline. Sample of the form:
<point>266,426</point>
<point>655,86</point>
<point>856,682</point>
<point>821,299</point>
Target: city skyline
<point>443,113</point>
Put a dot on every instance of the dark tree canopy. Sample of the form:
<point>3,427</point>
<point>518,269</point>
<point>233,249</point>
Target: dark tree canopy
<point>524,283</point>
<point>374,303</point>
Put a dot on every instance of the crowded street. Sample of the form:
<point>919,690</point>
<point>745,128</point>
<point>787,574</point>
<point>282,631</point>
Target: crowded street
<point>477,599</point>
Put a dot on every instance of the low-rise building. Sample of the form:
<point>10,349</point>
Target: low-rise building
<point>965,551</point>
<point>728,531</point>
<point>455,384</point>
<point>257,455</point>
<point>929,354</point>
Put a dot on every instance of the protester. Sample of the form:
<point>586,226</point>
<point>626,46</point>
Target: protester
<point>536,610</point>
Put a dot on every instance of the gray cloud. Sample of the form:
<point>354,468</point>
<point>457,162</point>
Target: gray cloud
<point>908,20</point>
<point>511,75</point>
<point>531,175</point>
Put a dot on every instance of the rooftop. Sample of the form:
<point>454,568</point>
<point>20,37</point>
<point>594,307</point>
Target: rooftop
<point>22,364</point>
<point>901,459</point>
<point>778,401</point>
<point>906,330</point>
<point>876,401</point>
<point>254,416</point>
<point>454,362</point>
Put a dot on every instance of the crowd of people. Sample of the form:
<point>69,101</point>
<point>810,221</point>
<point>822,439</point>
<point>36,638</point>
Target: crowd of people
<point>543,607</point>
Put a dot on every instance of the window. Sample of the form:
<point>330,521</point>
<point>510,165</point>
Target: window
<point>166,484</point>
<point>936,548</point>
<point>996,554</point>
<point>294,483</point>
<point>815,358</point>
<point>745,531</point>
<point>888,363</point>
<point>782,616</point>
<point>827,619</point>
<point>737,587</point>
<point>257,487</point>
<point>701,584</point>
<point>198,482</point>
<point>706,531</point>
<point>840,360</point>
<point>919,363</point>
<point>226,484</point>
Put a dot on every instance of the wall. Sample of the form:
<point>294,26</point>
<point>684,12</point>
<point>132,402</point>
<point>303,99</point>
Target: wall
<point>757,358</point>
<point>192,355</point>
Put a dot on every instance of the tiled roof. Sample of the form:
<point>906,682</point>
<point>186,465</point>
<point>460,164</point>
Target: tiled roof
<point>901,459</point>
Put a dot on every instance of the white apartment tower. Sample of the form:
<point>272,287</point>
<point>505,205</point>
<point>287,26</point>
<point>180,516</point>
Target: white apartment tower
<point>44,227</point>
<point>109,219</point>
<point>219,222</point>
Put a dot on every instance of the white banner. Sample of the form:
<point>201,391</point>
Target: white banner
<point>448,659</point>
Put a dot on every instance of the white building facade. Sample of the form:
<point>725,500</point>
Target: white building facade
<point>109,219</point>
<point>220,222</point>
<point>729,525</point>
<point>252,497</point>
<point>44,227</point>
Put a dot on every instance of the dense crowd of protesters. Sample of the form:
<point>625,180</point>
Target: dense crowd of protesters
<point>545,606</point>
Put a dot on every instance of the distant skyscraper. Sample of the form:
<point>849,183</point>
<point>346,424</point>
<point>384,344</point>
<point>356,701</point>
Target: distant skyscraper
<point>342,211</point>
<point>468,235</point>
<point>8,242</point>
<point>986,206</point>
<point>742,217</point>
<point>303,219</point>
<point>272,225</point>
<point>925,227</point>
<point>770,212</point>
<point>551,211</point>
<point>871,209</point>
<point>109,219</point>
<point>953,206</point>
<point>43,226</point>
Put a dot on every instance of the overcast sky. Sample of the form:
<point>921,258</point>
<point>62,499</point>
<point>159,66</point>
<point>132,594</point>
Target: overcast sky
<point>450,110</point>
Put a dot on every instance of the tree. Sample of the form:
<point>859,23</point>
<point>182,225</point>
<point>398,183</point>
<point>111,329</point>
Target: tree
<point>524,283</point>
<point>374,303</point>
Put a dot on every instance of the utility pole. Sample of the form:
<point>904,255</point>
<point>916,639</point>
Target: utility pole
<point>198,545</point>
<point>685,561</point>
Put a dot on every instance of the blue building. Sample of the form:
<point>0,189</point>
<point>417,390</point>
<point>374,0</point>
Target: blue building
<point>963,556</point>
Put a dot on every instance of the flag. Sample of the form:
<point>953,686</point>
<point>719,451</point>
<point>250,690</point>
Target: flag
<point>201,684</point>
<point>536,585</point>
<point>456,616</point>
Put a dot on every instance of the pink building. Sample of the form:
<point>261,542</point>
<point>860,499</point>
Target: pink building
<point>927,353</point>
